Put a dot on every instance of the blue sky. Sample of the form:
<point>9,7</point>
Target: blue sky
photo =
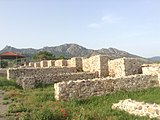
<point>130,25</point>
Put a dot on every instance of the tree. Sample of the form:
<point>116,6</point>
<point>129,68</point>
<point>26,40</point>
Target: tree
<point>61,57</point>
<point>44,55</point>
<point>4,64</point>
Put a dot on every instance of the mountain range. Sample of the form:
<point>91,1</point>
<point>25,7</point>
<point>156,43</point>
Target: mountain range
<point>156,58</point>
<point>74,50</point>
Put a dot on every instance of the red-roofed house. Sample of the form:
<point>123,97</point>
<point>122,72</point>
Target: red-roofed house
<point>10,55</point>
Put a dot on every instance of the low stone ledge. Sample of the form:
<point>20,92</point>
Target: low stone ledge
<point>27,82</point>
<point>31,82</point>
<point>138,108</point>
<point>13,73</point>
<point>101,86</point>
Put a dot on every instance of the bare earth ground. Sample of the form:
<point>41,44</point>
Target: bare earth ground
<point>3,108</point>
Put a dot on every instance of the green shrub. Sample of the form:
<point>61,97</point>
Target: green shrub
<point>39,104</point>
<point>8,84</point>
<point>43,96</point>
<point>4,64</point>
<point>6,102</point>
<point>25,116</point>
<point>14,108</point>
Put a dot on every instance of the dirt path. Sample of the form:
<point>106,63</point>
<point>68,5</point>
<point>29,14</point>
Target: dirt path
<point>3,108</point>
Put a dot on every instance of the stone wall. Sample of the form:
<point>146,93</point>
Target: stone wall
<point>132,66</point>
<point>31,82</point>
<point>97,63</point>
<point>77,62</point>
<point>31,64</point>
<point>69,63</point>
<point>116,67</point>
<point>37,65</point>
<point>14,73</point>
<point>86,64</point>
<point>102,86</point>
<point>60,63</point>
<point>138,108</point>
<point>26,64</point>
<point>151,69</point>
<point>124,67</point>
<point>73,62</point>
<point>100,63</point>
<point>43,63</point>
<point>51,63</point>
<point>103,67</point>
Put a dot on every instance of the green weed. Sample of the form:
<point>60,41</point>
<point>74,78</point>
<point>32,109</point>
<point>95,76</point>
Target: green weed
<point>39,104</point>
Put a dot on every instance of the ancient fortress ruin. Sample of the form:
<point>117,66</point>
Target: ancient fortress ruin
<point>79,78</point>
<point>85,77</point>
<point>51,71</point>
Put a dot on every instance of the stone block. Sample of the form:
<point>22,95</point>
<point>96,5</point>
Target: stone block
<point>60,63</point>
<point>26,82</point>
<point>124,67</point>
<point>37,64</point>
<point>86,64</point>
<point>51,63</point>
<point>43,63</point>
<point>69,63</point>
<point>76,62</point>
<point>31,64</point>
<point>98,63</point>
<point>151,69</point>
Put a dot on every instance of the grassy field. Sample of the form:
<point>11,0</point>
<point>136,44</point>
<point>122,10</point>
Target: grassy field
<point>39,104</point>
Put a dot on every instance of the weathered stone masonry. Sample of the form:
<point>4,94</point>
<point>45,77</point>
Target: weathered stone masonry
<point>151,69</point>
<point>14,73</point>
<point>100,76</point>
<point>138,108</point>
<point>60,63</point>
<point>124,67</point>
<point>98,64</point>
<point>37,65</point>
<point>51,63</point>
<point>31,82</point>
<point>102,86</point>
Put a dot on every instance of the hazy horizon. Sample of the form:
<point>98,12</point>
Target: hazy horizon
<point>132,26</point>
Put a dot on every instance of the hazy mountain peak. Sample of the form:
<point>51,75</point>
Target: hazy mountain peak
<point>7,47</point>
<point>155,58</point>
<point>73,50</point>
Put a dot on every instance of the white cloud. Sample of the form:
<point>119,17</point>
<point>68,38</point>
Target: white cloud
<point>107,19</point>
<point>111,19</point>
